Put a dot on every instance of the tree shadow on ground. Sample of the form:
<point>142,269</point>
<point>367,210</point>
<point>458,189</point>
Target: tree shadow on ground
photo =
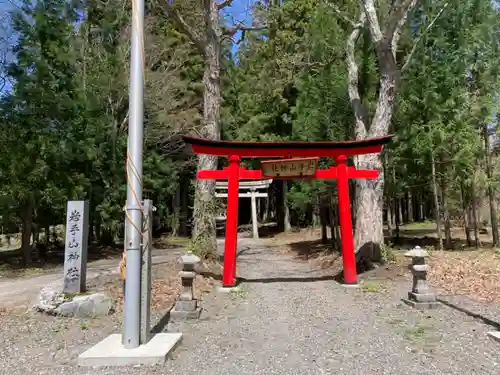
<point>312,249</point>
<point>161,324</point>
<point>411,242</point>
<point>266,230</point>
<point>269,280</point>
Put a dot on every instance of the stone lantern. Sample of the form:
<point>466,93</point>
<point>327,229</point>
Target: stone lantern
<point>186,306</point>
<point>421,295</point>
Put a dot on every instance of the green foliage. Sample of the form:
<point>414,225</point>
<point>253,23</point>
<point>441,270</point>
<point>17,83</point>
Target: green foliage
<point>63,126</point>
<point>387,253</point>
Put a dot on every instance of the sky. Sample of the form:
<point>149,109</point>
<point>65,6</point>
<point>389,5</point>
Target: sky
<point>238,12</point>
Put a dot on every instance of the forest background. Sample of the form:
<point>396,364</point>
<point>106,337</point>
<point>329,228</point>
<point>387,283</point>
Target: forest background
<point>426,71</point>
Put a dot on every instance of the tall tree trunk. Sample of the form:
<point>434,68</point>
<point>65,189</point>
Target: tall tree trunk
<point>98,229</point>
<point>184,214</point>
<point>176,210</point>
<point>390,223</point>
<point>491,193</point>
<point>387,194</point>
<point>324,220</point>
<point>336,227</point>
<point>437,210</point>
<point>446,216</point>
<point>477,242</point>
<point>369,234</point>
<point>400,211</point>
<point>465,208</point>
<point>316,214</point>
<point>265,213</point>
<point>204,204</point>
<point>410,208</point>
<point>397,222</point>
<point>287,227</point>
<point>421,215</point>
<point>27,220</point>
<point>46,230</point>
<point>36,234</point>
<point>334,222</point>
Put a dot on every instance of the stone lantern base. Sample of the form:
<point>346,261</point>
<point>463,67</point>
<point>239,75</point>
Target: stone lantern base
<point>421,305</point>
<point>185,310</point>
<point>421,301</point>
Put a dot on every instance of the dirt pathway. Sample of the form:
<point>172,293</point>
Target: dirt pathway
<point>23,290</point>
<point>286,320</point>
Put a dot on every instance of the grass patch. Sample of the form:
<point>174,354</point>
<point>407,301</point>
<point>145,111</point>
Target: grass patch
<point>238,293</point>
<point>396,322</point>
<point>416,333</point>
<point>388,254</point>
<point>419,225</point>
<point>371,287</point>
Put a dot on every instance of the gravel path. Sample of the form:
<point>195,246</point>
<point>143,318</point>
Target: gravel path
<point>284,320</point>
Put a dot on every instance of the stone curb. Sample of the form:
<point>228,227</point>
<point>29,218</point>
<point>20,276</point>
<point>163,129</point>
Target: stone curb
<point>486,320</point>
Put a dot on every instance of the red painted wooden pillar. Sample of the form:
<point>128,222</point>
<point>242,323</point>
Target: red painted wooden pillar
<point>348,255</point>
<point>230,245</point>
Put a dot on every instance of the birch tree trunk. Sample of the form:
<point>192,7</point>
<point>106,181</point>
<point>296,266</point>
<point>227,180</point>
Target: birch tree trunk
<point>369,234</point>
<point>204,234</point>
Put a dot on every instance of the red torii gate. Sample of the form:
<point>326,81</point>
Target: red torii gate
<point>339,151</point>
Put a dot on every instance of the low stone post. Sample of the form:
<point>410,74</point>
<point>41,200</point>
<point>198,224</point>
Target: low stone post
<point>75,254</point>
<point>186,306</point>
<point>421,295</point>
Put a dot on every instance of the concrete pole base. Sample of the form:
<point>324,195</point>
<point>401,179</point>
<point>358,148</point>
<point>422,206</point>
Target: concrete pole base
<point>495,335</point>
<point>111,352</point>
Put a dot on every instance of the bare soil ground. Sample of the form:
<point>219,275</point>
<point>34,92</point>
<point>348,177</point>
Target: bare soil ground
<point>288,317</point>
<point>469,272</point>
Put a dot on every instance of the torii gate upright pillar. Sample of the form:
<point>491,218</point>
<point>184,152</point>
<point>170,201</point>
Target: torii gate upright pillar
<point>231,243</point>
<point>344,201</point>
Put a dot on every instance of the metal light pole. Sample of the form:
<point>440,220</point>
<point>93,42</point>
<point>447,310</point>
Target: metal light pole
<point>133,220</point>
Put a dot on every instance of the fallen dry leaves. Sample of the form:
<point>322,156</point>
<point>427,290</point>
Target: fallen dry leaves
<point>475,274</point>
<point>165,287</point>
